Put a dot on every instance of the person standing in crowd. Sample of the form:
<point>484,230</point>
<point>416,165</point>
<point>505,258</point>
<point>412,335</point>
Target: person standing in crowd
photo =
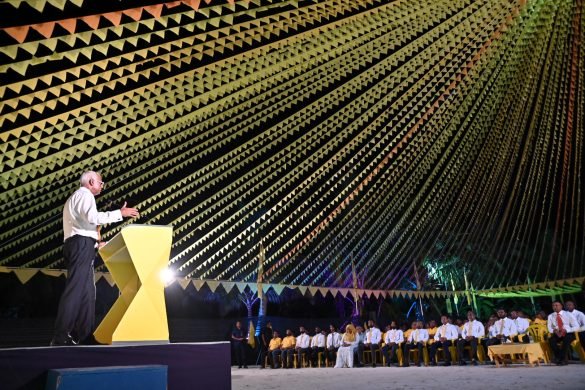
<point>445,337</point>
<point>238,342</point>
<point>333,342</point>
<point>562,326</point>
<point>81,219</point>
<point>473,331</point>
<point>580,318</point>
<point>265,339</point>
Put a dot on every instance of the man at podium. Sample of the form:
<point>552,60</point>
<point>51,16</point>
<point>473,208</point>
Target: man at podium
<point>81,239</point>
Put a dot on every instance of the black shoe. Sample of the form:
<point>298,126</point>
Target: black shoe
<point>447,364</point>
<point>462,363</point>
<point>433,364</point>
<point>62,342</point>
<point>239,366</point>
<point>405,365</point>
<point>474,362</point>
<point>373,366</point>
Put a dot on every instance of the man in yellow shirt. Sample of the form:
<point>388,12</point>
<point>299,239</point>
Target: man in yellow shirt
<point>432,328</point>
<point>287,349</point>
<point>274,349</point>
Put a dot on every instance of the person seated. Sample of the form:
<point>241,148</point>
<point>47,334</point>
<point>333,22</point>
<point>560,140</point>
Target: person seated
<point>372,342</point>
<point>432,329</point>
<point>274,349</point>
<point>445,337</point>
<point>317,346</point>
<point>408,330</point>
<point>522,325</point>
<point>490,331</point>
<point>473,331</point>
<point>346,351</point>
<point>332,343</point>
<point>580,318</point>
<point>521,314</point>
<point>540,318</point>
<point>393,340</point>
<point>302,346</point>
<point>417,339</point>
<point>359,350</point>
<point>562,326</point>
<point>504,327</point>
<point>459,324</point>
<point>287,350</point>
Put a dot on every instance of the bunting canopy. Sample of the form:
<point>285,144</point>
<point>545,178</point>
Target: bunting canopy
<point>444,134</point>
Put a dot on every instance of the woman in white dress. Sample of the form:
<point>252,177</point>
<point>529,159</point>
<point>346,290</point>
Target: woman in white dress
<point>345,352</point>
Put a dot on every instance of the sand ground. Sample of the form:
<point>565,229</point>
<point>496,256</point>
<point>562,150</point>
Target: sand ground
<point>517,376</point>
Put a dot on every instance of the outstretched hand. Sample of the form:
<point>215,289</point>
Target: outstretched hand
<point>129,211</point>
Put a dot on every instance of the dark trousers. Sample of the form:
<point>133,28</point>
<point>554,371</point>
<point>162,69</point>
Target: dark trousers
<point>287,357</point>
<point>561,353</point>
<point>358,355</point>
<point>407,348</point>
<point>240,353</point>
<point>521,338</point>
<point>300,353</point>
<point>263,354</point>
<point>440,344</point>
<point>461,343</point>
<point>315,355</point>
<point>76,313</point>
<point>389,351</point>
<point>273,358</point>
<point>373,348</point>
<point>332,355</point>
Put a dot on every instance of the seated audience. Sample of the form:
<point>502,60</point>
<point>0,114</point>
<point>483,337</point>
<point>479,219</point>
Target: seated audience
<point>522,325</point>
<point>393,339</point>
<point>274,349</point>
<point>504,327</point>
<point>317,346</point>
<point>473,331</point>
<point>302,346</point>
<point>372,342</point>
<point>345,353</point>
<point>287,350</point>
<point>580,318</point>
<point>446,336</point>
<point>562,326</point>
<point>417,339</point>
<point>332,343</point>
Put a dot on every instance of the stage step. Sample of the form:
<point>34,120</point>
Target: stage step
<point>148,377</point>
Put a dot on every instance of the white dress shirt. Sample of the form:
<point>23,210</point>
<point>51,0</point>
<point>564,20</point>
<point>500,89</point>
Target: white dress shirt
<point>580,318</point>
<point>569,322</point>
<point>506,327</point>
<point>373,336</point>
<point>449,331</point>
<point>492,331</point>
<point>394,336</point>
<point>333,340</point>
<point>522,325</point>
<point>80,215</point>
<point>473,328</point>
<point>303,341</point>
<point>418,335</point>
<point>318,341</point>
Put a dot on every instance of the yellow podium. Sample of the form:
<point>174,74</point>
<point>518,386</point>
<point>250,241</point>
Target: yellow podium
<point>135,258</point>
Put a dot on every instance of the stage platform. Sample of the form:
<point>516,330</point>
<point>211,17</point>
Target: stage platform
<point>190,365</point>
